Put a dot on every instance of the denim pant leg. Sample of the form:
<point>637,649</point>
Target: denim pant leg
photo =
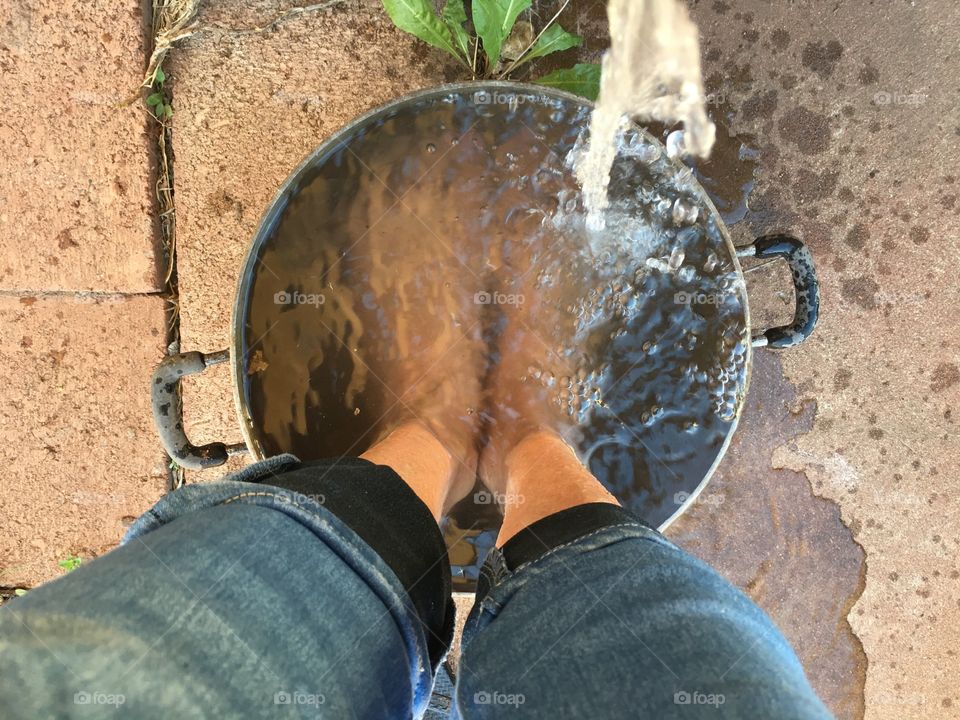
<point>229,599</point>
<point>580,617</point>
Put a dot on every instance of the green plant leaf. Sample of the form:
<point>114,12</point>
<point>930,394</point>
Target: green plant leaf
<point>168,111</point>
<point>494,20</point>
<point>159,76</point>
<point>155,99</point>
<point>554,39</point>
<point>71,563</point>
<point>454,15</point>
<point>582,79</point>
<point>418,18</point>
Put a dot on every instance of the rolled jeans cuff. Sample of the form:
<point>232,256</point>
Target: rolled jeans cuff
<point>587,525</point>
<point>365,508</point>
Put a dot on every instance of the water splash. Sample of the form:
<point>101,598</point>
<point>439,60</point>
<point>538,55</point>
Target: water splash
<point>650,72</point>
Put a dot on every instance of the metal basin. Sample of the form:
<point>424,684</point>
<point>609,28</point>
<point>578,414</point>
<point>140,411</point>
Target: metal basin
<point>446,172</point>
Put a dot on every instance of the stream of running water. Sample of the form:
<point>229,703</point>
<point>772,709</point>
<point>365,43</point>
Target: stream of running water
<point>650,72</point>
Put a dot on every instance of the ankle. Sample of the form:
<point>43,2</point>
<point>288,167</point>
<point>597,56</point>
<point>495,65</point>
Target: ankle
<point>544,476</point>
<point>420,459</point>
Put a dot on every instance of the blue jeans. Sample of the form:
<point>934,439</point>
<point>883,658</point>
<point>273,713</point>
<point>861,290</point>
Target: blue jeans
<point>323,591</point>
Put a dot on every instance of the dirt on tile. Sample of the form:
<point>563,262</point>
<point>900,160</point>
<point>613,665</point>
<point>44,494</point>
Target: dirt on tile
<point>76,207</point>
<point>77,443</point>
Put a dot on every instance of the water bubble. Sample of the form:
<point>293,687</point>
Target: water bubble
<point>676,258</point>
<point>711,262</point>
<point>657,264</point>
<point>684,212</point>
<point>676,145</point>
<point>728,411</point>
<point>664,208</point>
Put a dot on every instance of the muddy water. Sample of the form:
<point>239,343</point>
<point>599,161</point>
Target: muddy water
<point>394,233</point>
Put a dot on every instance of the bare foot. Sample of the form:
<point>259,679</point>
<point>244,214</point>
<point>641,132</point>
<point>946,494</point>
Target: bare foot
<point>544,476</point>
<point>528,378</point>
<point>430,470</point>
<point>424,329</point>
<point>528,460</point>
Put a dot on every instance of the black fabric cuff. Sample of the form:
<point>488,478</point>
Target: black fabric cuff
<point>381,508</point>
<point>546,535</point>
<point>562,528</point>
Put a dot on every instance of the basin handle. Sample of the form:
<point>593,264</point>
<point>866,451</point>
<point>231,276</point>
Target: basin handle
<point>168,411</point>
<point>805,283</point>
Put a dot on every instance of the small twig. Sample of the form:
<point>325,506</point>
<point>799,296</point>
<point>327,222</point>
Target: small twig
<point>522,58</point>
<point>761,265</point>
<point>167,215</point>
